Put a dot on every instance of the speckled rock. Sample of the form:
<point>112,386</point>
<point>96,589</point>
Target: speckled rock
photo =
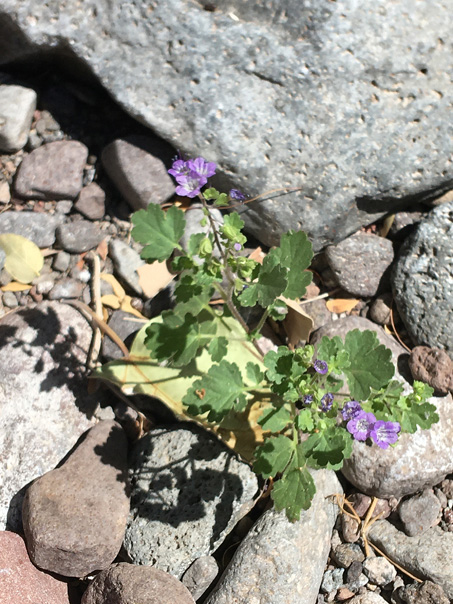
<point>44,404</point>
<point>379,570</point>
<point>428,556</point>
<point>200,575</point>
<point>419,513</point>
<point>53,171</point>
<point>368,597</point>
<point>91,202</point>
<point>423,278</point>
<point>360,263</point>
<point>126,262</point>
<point>419,460</point>
<point>79,236</point>
<point>39,228</point>
<point>433,366</point>
<point>17,105</point>
<point>23,583</point>
<point>129,584</point>
<point>188,492</point>
<point>89,490</point>
<point>279,562</point>
<point>425,593</point>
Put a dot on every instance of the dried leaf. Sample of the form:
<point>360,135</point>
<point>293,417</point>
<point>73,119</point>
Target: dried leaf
<point>154,277</point>
<point>24,260</point>
<point>14,286</point>
<point>127,307</point>
<point>257,255</point>
<point>111,301</point>
<point>117,288</point>
<point>102,249</point>
<point>339,305</point>
<point>297,323</point>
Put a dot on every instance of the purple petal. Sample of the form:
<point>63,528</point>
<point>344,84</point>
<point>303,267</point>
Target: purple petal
<point>320,366</point>
<point>236,195</point>
<point>385,433</point>
<point>350,410</point>
<point>360,426</point>
<point>327,402</point>
<point>202,167</point>
<point>179,167</point>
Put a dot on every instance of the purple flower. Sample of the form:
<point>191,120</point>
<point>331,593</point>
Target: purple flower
<point>179,168</point>
<point>361,425</point>
<point>190,184</point>
<point>327,402</point>
<point>385,433</point>
<point>350,410</point>
<point>236,195</point>
<point>320,366</point>
<point>308,399</point>
<point>202,167</point>
<point>237,247</point>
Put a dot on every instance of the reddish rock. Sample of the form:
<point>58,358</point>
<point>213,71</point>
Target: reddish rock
<point>130,584</point>
<point>20,581</point>
<point>91,202</point>
<point>53,171</point>
<point>75,516</point>
<point>433,366</point>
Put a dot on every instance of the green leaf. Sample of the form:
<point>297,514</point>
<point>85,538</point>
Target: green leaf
<point>218,348</point>
<point>273,456</point>
<point>423,415</point>
<point>210,194</point>
<point>222,200</point>
<point>296,256</point>
<point>254,373</point>
<point>271,284</point>
<point>279,364</point>
<point>178,339</point>
<point>370,363</point>
<point>294,492</point>
<point>193,292</point>
<point>304,421</point>
<point>328,448</point>
<point>159,231</point>
<point>217,393</point>
<point>275,420</point>
<point>195,240</point>
<point>278,310</point>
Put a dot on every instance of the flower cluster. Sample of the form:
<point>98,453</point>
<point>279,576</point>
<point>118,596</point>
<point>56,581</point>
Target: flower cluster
<point>191,175</point>
<point>363,425</point>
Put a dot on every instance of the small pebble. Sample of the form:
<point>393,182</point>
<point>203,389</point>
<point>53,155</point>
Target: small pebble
<point>332,580</point>
<point>66,289</point>
<point>354,571</point>
<point>61,261</point>
<point>347,553</point>
<point>10,300</point>
<point>379,571</point>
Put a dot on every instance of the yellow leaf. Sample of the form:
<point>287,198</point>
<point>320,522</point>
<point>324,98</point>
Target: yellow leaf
<point>127,307</point>
<point>117,288</point>
<point>339,305</point>
<point>297,323</point>
<point>110,300</point>
<point>154,277</point>
<point>14,286</point>
<point>23,257</point>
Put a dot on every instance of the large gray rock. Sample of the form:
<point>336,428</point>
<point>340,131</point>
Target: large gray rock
<point>423,280</point>
<point>419,460</point>
<point>17,105</point>
<point>44,404</point>
<point>349,101</point>
<point>188,491</point>
<point>280,562</point>
<point>39,228</point>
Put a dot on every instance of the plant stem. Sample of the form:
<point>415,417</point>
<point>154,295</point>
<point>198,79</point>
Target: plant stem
<point>264,316</point>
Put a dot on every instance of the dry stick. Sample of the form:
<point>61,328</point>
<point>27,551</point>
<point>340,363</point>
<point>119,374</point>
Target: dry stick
<point>95,346</point>
<point>394,329</point>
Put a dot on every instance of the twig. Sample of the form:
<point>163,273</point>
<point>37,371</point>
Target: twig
<point>95,347</point>
<point>394,329</point>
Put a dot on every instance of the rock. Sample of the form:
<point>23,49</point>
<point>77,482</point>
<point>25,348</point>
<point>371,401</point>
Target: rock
<point>426,593</point>
<point>79,236</point>
<point>423,279</point>
<point>336,122</point>
<point>188,492</point>
<point>380,309</point>
<point>64,206</point>
<point>280,562</point>
<point>91,202</point>
<point>126,262</point>
<point>354,571</point>
<point>125,328</point>
<point>404,222</point>
<point>39,228</point>
<point>360,263</point>
<point>367,598</point>
<point>347,553</point>
<point>5,193</point>
<point>44,403</point>
<point>419,513</point>
<point>200,575</point>
<point>140,177</point>
<point>53,171</point>
<point>379,570</point>
<point>17,105</point>
<point>428,556</point>
<point>332,579</point>
<point>2,259</point>
<point>66,289</point>
<point>344,594</point>
<point>21,581</point>
<point>88,490</point>
<point>129,584</point>
<point>9,300</point>
<point>193,226</point>
<point>433,366</point>
<point>419,460</point>
<point>350,529</point>
<point>61,262</point>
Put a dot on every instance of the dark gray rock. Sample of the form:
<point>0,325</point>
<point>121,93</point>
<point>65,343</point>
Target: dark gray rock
<point>419,460</point>
<point>44,403</point>
<point>423,279</point>
<point>347,553</point>
<point>126,262</point>
<point>53,171</point>
<point>428,556</point>
<point>347,100</point>
<point>88,490</point>
<point>139,176</point>
<point>380,309</point>
<point>129,584</point>
<point>79,236</point>
<point>61,261</point>
<point>419,513</point>
<point>280,562</point>
<point>360,263</point>
<point>38,227</point>
<point>426,593</point>
<point>17,105</point>
<point>200,575</point>
<point>91,202</point>
<point>188,492</point>
<point>125,328</point>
